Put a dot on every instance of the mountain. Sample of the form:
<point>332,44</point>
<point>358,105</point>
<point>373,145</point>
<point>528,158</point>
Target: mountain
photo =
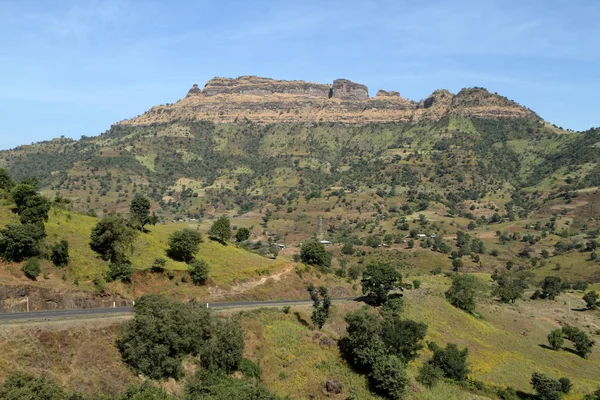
<point>264,100</point>
<point>242,144</point>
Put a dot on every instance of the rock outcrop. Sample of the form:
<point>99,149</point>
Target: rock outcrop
<point>265,100</point>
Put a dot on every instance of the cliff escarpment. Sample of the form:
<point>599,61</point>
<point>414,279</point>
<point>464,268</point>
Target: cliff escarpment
<point>265,100</point>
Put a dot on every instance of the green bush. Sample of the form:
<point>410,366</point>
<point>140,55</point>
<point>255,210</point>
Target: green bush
<point>119,271</point>
<point>451,360</point>
<point>198,270</point>
<point>249,368</point>
<point>31,268</point>
<point>60,253</point>
<point>389,376</point>
<point>429,375</point>
<point>184,244</point>
<point>18,242</point>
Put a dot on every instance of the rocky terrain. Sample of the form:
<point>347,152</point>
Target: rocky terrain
<point>264,100</point>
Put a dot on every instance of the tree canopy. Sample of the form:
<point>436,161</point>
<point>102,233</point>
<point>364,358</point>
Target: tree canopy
<point>379,279</point>
<point>221,229</point>
<point>184,244</point>
<point>113,238</point>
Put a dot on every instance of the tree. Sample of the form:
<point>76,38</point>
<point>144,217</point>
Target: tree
<point>224,350</point>
<point>242,235</point>
<point>198,270</point>
<point>183,244</point>
<point>551,287</point>
<point>363,345</point>
<point>18,242</point>
<point>379,279</point>
<point>60,253</point>
<point>35,210</point>
<point>321,304</point>
<point>556,340</point>
<point>451,360</point>
<point>546,387</point>
<point>6,181</point>
<point>113,238</point>
<point>140,212</point>
<point>21,194</point>
<point>565,384</point>
<point>510,285</point>
<point>161,334</point>
<point>591,300</point>
<point>582,343</point>
<point>389,376</point>
<point>457,264</point>
<point>403,337</point>
<point>221,229</point>
<point>348,249</point>
<point>463,292</point>
<point>31,268</point>
<point>373,241</point>
<point>313,253</point>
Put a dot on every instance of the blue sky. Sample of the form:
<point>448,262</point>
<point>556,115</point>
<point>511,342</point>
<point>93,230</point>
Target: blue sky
<point>75,67</point>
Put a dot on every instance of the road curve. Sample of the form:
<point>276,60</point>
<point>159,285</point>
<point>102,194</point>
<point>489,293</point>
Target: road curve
<point>91,312</point>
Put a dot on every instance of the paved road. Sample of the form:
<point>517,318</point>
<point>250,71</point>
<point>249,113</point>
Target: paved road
<point>91,312</point>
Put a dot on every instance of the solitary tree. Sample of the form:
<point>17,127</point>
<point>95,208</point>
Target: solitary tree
<point>379,279</point>
<point>313,253</point>
<point>140,212</point>
<point>113,238</point>
<point>591,300</point>
<point>242,235</point>
<point>463,292</point>
<point>551,287</point>
<point>321,304</point>
<point>183,244</point>
<point>221,229</point>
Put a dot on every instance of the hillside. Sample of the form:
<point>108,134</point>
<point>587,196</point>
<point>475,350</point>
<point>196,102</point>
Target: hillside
<point>455,185</point>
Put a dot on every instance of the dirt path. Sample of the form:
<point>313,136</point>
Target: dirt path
<point>242,287</point>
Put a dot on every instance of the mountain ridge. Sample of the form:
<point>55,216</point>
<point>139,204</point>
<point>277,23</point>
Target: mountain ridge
<point>265,100</point>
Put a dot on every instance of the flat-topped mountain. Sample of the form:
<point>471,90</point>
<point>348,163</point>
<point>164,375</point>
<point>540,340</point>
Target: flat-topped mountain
<point>265,100</point>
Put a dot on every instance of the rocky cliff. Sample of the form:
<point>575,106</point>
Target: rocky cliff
<point>265,100</point>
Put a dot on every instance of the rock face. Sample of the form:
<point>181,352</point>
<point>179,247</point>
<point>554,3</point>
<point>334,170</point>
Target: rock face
<point>348,90</point>
<point>333,386</point>
<point>265,100</point>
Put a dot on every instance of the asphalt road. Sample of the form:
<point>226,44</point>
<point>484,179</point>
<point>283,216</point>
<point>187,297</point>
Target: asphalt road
<point>92,312</point>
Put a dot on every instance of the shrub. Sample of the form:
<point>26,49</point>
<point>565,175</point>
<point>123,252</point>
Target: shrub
<point>198,270</point>
<point>556,340</point>
<point>60,253</point>
<point>416,284</point>
<point>31,268</point>
<point>158,265</point>
<point>591,300</point>
<point>249,368</point>
<point>429,375</point>
<point>224,350</point>
<point>119,271</point>
<point>451,360</point>
<point>389,376</point>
